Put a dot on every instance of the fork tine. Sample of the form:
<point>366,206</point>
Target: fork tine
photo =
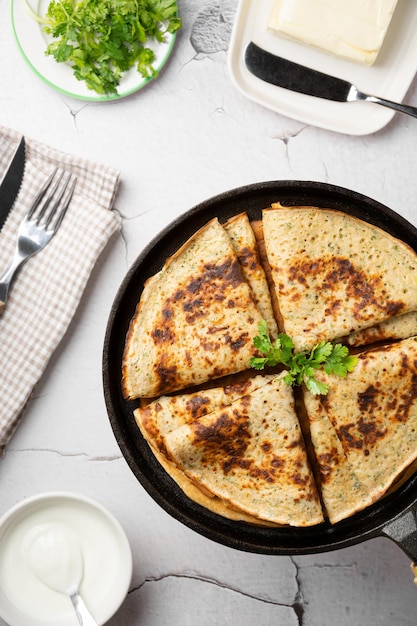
<point>53,198</point>
<point>41,193</point>
<point>65,204</point>
<point>51,191</point>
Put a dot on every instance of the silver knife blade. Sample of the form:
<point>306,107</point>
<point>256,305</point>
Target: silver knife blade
<point>12,179</point>
<point>289,75</point>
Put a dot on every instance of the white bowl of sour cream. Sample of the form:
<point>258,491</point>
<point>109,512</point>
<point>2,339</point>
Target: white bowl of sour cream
<point>72,524</point>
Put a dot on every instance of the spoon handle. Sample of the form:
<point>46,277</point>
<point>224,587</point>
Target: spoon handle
<point>83,614</point>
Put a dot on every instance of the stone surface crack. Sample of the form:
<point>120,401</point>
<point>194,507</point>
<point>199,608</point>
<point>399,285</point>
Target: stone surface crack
<point>299,602</point>
<point>123,237</point>
<point>216,583</point>
<point>331,566</point>
<point>75,112</point>
<point>104,458</point>
<point>286,137</point>
<point>129,218</point>
<point>124,219</point>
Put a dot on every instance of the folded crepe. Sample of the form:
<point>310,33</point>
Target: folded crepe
<point>399,327</point>
<point>244,243</point>
<point>335,274</point>
<point>160,417</point>
<point>251,454</point>
<point>343,494</point>
<point>195,320</point>
<point>167,413</point>
<point>374,414</point>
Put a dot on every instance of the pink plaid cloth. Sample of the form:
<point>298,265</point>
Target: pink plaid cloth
<point>47,291</point>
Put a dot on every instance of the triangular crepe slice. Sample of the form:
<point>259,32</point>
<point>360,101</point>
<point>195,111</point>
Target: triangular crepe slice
<point>252,455</point>
<point>160,417</point>
<point>335,274</point>
<point>400,327</point>
<point>167,413</point>
<point>342,492</point>
<point>374,413</point>
<point>195,321</point>
<point>204,498</point>
<point>244,243</point>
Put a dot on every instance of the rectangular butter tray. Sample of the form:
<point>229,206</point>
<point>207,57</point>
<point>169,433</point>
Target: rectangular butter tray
<point>390,77</point>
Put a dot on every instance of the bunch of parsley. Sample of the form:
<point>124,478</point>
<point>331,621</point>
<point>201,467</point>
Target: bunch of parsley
<point>333,358</point>
<point>102,39</point>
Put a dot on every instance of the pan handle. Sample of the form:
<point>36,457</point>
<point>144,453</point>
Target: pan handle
<point>403,530</point>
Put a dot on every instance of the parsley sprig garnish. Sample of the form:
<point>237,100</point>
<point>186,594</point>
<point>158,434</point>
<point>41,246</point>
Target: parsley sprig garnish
<point>302,366</point>
<point>102,39</point>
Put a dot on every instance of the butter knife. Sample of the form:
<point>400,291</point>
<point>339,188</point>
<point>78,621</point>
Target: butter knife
<point>289,75</point>
<point>11,181</point>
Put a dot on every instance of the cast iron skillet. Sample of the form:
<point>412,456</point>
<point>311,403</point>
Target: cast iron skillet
<point>394,516</point>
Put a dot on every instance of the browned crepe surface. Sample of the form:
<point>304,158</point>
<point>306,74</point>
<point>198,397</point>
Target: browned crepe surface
<point>251,454</point>
<point>195,321</point>
<point>335,274</point>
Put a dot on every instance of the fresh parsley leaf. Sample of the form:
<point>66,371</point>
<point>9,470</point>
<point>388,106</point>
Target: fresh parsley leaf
<point>259,363</point>
<point>262,341</point>
<point>321,352</point>
<point>339,361</point>
<point>302,366</point>
<point>103,39</point>
<point>316,387</point>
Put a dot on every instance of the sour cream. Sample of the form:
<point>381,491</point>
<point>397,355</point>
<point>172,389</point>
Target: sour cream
<point>54,554</point>
<point>50,544</point>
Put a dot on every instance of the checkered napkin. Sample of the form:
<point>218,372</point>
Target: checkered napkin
<point>46,293</point>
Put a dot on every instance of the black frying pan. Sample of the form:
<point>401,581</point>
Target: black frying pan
<point>393,516</point>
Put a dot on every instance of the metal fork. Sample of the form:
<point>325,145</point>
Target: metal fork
<point>39,225</point>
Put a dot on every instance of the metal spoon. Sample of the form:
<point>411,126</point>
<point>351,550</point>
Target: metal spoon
<point>56,559</point>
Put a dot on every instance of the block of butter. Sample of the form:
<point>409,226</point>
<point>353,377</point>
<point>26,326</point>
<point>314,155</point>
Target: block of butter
<point>353,29</point>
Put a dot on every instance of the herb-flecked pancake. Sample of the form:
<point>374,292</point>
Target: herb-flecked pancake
<point>195,320</point>
<point>251,454</point>
<point>342,492</point>
<point>335,274</point>
<point>161,416</point>
<point>245,245</point>
<point>399,327</point>
<point>374,413</point>
<point>167,413</point>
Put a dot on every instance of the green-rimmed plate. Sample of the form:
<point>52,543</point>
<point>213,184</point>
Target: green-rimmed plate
<point>32,42</point>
